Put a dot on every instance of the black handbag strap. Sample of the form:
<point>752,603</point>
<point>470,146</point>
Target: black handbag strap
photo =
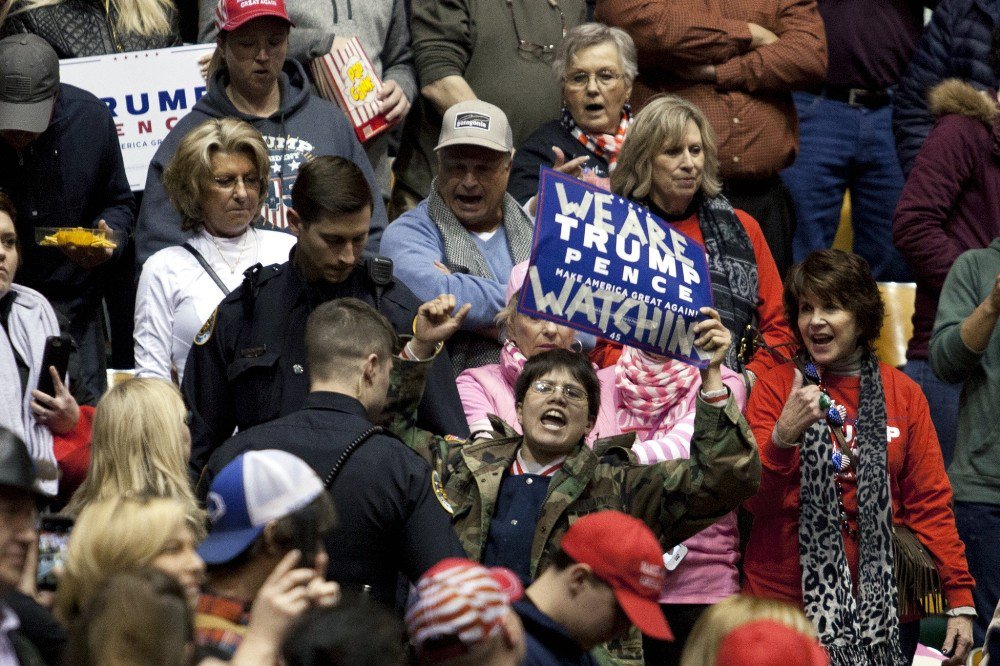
<point>208,269</point>
<point>351,448</point>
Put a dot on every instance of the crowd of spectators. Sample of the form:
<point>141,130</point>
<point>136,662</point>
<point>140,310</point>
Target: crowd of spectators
<point>337,439</point>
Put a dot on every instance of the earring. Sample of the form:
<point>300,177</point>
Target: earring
<point>576,346</point>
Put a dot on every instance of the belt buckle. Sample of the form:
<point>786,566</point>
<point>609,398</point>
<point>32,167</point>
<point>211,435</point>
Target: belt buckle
<point>852,96</point>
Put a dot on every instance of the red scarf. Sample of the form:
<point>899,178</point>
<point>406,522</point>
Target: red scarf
<point>603,145</point>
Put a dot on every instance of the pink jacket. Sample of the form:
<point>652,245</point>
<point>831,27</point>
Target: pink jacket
<point>708,573</point>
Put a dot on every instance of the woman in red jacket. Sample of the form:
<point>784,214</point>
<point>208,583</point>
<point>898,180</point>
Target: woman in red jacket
<point>669,163</point>
<point>848,451</point>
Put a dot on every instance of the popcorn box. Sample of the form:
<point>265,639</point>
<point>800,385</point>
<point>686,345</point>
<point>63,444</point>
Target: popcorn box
<point>346,76</point>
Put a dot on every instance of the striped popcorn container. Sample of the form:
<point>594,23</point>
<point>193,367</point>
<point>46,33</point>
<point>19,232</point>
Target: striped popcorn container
<point>346,76</point>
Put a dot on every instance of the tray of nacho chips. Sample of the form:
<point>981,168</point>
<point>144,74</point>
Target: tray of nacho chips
<point>78,236</point>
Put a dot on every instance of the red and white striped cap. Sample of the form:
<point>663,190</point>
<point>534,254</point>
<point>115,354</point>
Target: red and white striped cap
<point>231,14</point>
<point>459,604</point>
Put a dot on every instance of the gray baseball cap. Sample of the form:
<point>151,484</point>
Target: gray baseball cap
<point>476,123</point>
<point>29,80</point>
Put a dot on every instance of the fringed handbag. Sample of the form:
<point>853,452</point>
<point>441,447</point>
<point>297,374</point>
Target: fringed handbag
<point>917,576</point>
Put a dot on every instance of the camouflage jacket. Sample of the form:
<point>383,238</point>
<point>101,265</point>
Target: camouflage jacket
<point>676,498</point>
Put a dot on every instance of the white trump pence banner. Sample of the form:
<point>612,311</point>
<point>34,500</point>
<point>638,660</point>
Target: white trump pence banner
<point>147,93</point>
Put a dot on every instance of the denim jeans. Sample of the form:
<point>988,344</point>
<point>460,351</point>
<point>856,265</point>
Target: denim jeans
<point>979,529</point>
<point>842,148</point>
<point>943,400</point>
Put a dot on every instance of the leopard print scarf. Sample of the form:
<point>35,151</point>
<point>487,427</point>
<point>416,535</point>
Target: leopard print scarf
<point>862,630</point>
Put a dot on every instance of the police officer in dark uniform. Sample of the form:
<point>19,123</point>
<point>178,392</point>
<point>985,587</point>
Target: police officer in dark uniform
<point>248,363</point>
<point>391,516</point>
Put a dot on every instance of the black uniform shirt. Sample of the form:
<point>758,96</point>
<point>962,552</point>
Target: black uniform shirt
<point>389,518</point>
<point>248,363</point>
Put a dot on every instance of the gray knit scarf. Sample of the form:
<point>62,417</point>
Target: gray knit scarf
<point>862,630</point>
<point>462,255</point>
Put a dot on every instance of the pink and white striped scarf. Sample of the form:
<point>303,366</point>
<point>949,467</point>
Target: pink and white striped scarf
<point>511,362</point>
<point>652,391</point>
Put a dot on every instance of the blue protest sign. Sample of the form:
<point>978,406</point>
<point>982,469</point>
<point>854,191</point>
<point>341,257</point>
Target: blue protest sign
<point>607,266</point>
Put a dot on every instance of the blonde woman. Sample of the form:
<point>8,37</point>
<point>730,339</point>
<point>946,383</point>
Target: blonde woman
<point>118,535</point>
<point>715,623</point>
<point>80,28</point>
<point>140,446</point>
<point>124,534</point>
<point>217,179</point>
<point>669,163</point>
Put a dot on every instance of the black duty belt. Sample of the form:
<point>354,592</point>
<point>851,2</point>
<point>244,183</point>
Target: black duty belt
<point>870,99</point>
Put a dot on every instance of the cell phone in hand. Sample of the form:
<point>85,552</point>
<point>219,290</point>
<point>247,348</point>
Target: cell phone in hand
<point>57,351</point>
<point>306,536</point>
<point>53,539</point>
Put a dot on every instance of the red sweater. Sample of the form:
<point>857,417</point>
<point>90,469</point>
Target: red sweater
<point>921,493</point>
<point>770,310</point>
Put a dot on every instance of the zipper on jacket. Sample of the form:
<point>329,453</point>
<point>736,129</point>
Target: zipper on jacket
<point>336,19</point>
<point>350,11</point>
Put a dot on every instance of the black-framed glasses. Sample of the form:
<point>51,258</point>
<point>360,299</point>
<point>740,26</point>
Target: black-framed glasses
<point>573,393</point>
<point>531,48</point>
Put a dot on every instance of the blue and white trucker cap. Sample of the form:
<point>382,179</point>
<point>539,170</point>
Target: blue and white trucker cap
<point>254,489</point>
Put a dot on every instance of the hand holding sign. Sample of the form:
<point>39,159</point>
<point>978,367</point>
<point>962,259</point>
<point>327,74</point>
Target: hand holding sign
<point>713,337</point>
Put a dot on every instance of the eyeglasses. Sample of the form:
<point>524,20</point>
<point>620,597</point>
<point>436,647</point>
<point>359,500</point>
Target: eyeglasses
<point>605,79</point>
<point>250,182</point>
<point>531,48</point>
<point>573,393</point>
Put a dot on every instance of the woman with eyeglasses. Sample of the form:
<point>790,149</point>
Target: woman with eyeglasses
<point>512,496</point>
<point>595,66</point>
<point>216,179</point>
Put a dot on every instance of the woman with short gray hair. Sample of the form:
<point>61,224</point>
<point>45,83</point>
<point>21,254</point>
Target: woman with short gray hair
<point>596,66</point>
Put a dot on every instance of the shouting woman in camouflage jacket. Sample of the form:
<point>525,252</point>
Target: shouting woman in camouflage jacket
<point>512,497</point>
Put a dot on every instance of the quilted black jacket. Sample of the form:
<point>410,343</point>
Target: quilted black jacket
<point>79,28</point>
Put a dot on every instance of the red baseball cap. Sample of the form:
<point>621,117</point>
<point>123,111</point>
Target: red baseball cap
<point>623,552</point>
<point>766,642</point>
<point>231,14</point>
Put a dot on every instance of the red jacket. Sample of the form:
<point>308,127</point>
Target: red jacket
<point>921,493</point>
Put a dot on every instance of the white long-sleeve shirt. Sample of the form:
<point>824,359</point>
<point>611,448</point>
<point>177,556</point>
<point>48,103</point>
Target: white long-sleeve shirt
<point>176,296</point>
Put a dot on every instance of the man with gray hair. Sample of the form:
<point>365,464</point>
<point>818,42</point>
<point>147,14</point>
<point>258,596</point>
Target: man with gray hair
<point>465,238</point>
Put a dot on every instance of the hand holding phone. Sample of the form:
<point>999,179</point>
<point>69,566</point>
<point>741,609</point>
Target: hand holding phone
<point>306,535</point>
<point>52,404</point>
<point>56,354</point>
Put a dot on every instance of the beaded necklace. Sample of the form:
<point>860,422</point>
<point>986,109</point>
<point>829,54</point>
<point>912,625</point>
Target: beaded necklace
<point>842,459</point>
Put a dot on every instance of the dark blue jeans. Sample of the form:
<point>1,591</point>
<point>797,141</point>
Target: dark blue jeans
<point>943,400</point>
<point>842,148</point>
<point>979,528</point>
